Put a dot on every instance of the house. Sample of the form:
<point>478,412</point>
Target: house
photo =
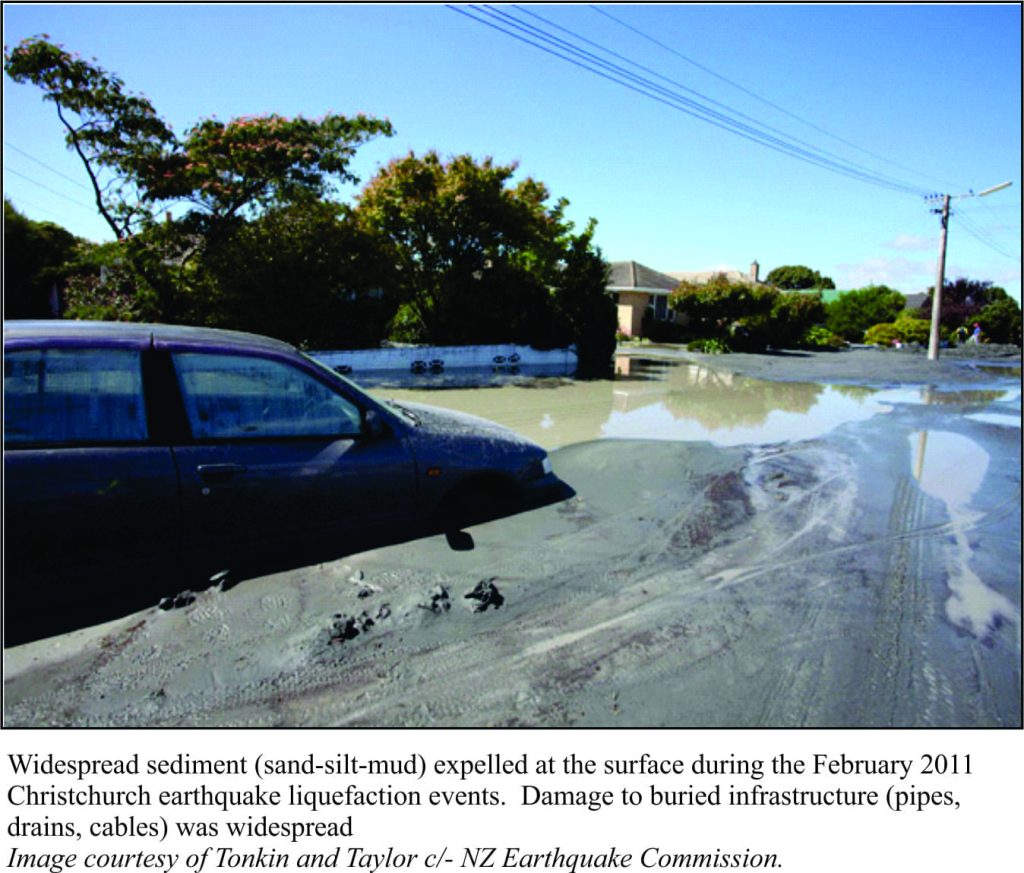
<point>637,289</point>
<point>640,291</point>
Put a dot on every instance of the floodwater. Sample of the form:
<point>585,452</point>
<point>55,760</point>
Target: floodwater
<point>682,402</point>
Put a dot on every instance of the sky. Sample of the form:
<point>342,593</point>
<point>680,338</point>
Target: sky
<point>926,96</point>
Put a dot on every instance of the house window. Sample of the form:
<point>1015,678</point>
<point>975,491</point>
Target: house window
<point>657,308</point>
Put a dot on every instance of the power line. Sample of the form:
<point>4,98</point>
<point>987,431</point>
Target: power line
<point>48,188</point>
<point>586,60</point>
<point>704,113</point>
<point>973,230</point>
<point>47,166</point>
<point>764,100</point>
<point>678,84</point>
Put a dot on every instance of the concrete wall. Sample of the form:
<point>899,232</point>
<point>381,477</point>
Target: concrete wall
<point>450,357</point>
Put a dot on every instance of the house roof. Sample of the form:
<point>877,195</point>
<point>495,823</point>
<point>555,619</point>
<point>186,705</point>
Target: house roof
<point>631,276</point>
<point>699,277</point>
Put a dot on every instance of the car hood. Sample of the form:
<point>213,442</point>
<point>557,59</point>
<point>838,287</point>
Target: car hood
<point>446,424</point>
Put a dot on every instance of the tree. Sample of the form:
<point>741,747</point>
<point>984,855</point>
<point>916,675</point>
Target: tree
<point>230,173</point>
<point>36,256</point>
<point>714,306</point>
<point>479,259</point>
<point>259,163</point>
<point>855,311</point>
<point>962,300</point>
<point>114,133</point>
<point>792,315</point>
<point>798,277</point>
<point>1001,321</point>
<point>304,273</point>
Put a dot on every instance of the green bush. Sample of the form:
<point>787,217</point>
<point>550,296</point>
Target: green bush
<point>793,314</point>
<point>851,314</point>
<point>1001,321</point>
<point>913,329</point>
<point>709,346</point>
<point>884,334</point>
<point>819,337</point>
<point>712,306</point>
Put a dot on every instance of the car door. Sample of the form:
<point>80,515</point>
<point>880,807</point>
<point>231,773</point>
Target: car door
<point>278,470</point>
<point>91,501</point>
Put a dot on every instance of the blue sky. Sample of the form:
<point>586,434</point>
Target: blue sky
<point>933,92</point>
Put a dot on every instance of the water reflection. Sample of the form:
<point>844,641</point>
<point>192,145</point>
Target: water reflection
<point>651,399</point>
<point>954,473</point>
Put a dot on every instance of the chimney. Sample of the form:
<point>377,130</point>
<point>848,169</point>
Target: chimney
<point>755,268</point>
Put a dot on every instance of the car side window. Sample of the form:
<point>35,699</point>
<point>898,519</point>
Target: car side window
<point>233,396</point>
<point>73,396</point>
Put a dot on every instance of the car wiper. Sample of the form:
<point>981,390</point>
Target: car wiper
<point>408,413</point>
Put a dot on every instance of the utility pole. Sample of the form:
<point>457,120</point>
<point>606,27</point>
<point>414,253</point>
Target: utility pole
<point>933,336</point>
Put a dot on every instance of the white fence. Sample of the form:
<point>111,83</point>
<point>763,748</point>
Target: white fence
<point>436,359</point>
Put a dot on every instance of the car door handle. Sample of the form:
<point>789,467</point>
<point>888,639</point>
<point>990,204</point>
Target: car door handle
<point>213,473</point>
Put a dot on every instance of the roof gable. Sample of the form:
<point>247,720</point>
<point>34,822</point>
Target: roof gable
<point>625,275</point>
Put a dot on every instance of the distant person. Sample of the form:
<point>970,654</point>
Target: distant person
<point>976,334</point>
<point>961,335</point>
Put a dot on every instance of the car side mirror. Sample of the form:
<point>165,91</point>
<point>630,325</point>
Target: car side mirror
<point>373,425</point>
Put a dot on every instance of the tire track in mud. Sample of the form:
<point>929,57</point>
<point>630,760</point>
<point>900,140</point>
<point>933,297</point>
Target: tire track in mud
<point>896,674</point>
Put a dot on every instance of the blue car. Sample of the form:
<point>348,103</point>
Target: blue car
<point>142,459</point>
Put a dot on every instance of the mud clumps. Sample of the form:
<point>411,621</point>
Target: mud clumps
<point>348,627</point>
<point>485,595</point>
<point>178,601</point>
<point>440,600</point>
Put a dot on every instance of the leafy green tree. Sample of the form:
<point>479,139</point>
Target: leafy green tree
<point>855,311</point>
<point>792,315</point>
<point>304,273</point>
<point>229,173</point>
<point>587,314</point>
<point>735,312</point>
<point>478,258</point>
<point>36,256</point>
<point>798,277</point>
<point>258,163</point>
<point>962,301</point>
<point>1001,321</point>
<point>114,133</point>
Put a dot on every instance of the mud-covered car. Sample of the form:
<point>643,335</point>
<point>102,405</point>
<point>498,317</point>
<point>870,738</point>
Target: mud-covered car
<point>141,460</point>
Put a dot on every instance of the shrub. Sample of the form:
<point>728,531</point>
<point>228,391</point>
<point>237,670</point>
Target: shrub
<point>882,334</point>
<point>792,315</point>
<point>851,314</point>
<point>708,346</point>
<point>912,329</point>
<point>712,306</point>
<point>819,337</point>
<point>1001,321</point>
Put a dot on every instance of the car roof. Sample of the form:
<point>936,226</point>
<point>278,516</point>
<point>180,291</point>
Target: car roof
<point>134,332</point>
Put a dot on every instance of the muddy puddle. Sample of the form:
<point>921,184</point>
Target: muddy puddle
<point>683,402</point>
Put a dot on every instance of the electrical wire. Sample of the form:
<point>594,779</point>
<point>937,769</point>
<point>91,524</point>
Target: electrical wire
<point>48,188</point>
<point>973,230</point>
<point>764,100</point>
<point>47,166</point>
<point>678,84</point>
<point>589,62</point>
